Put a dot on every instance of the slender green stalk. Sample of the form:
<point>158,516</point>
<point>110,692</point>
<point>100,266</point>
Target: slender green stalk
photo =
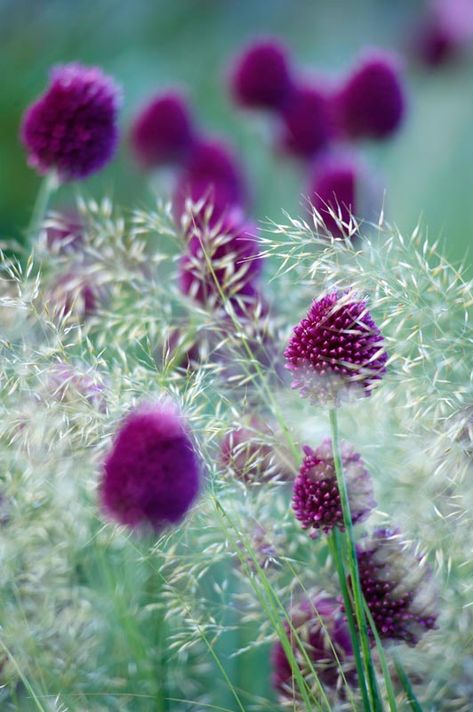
<point>412,700</point>
<point>353,566</point>
<point>48,186</point>
<point>335,546</point>
<point>382,659</point>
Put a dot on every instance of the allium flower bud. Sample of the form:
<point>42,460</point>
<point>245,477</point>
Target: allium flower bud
<point>322,629</point>
<point>221,260</point>
<point>316,499</point>
<point>445,32</point>
<point>162,132</point>
<point>307,124</point>
<point>152,474</point>
<point>211,175</point>
<point>371,103</point>
<point>261,77</point>
<point>333,192</point>
<point>72,128</point>
<point>398,588</point>
<point>336,350</point>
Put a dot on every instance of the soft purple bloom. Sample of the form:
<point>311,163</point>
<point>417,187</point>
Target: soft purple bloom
<point>67,382</point>
<point>152,474</point>
<point>307,121</point>
<point>397,587</point>
<point>163,131</point>
<point>261,78</point>
<point>322,629</point>
<point>336,349</point>
<point>72,128</point>
<point>316,499</point>
<point>334,192</point>
<point>73,294</point>
<point>371,103</point>
<point>64,231</point>
<point>445,31</point>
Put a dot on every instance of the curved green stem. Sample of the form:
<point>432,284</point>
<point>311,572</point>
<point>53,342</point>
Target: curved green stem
<point>48,186</point>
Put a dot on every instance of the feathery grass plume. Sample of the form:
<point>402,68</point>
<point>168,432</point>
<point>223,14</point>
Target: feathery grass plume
<point>72,128</point>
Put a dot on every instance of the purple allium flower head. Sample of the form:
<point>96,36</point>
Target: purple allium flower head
<point>261,77</point>
<point>445,32</point>
<point>162,132</point>
<point>72,128</point>
<point>371,103</point>
<point>73,294</point>
<point>152,474</point>
<point>307,121</point>
<point>321,626</point>
<point>211,176</point>
<point>336,350</point>
<point>397,586</point>
<point>333,192</point>
<point>64,231</point>
<point>221,259</point>
<point>316,500</point>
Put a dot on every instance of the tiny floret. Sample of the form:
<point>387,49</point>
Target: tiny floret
<point>316,499</point>
<point>72,128</point>
<point>336,350</point>
<point>152,474</point>
<point>261,78</point>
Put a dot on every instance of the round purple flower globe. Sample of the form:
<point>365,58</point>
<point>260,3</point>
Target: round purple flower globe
<point>162,132</point>
<point>221,260</point>
<point>307,122</point>
<point>321,626</point>
<point>316,498</point>
<point>397,587</point>
<point>333,192</point>
<point>152,474</point>
<point>445,32</point>
<point>336,350</point>
<point>371,103</point>
<point>72,128</point>
<point>261,78</point>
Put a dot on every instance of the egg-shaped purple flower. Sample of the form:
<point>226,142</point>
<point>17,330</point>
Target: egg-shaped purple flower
<point>316,498</point>
<point>371,103</point>
<point>445,32</point>
<point>152,474</point>
<point>307,121</point>
<point>397,586</point>
<point>336,350</point>
<point>163,131</point>
<point>322,629</point>
<point>221,260</point>
<point>211,176</point>
<point>261,78</point>
<point>334,192</point>
<point>72,128</point>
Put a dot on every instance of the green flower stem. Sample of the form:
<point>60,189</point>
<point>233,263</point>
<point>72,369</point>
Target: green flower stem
<point>382,659</point>
<point>353,566</point>
<point>48,186</point>
<point>412,700</point>
<point>335,546</point>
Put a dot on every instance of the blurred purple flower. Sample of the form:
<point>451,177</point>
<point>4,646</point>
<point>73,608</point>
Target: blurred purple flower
<point>74,294</point>
<point>336,350</point>
<point>162,132</point>
<point>64,231</point>
<point>307,121</point>
<point>333,192</point>
<point>261,77</point>
<point>316,500</point>
<point>152,474</point>
<point>72,128</point>
<point>445,32</point>
<point>66,381</point>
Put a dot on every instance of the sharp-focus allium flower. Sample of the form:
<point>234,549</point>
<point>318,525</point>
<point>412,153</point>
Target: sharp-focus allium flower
<point>72,128</point>
<point>211,176</point>
<point>152,473</point>
<point>336,350</point>
<point>333,192</point>
<point>398,588</point>
<point>162,132</point>
<point>221,260</point>
<point>307,121</point>
<point>445,32</point>
<point>322,629</point>
<point>316,500</point>
<point>371,103</point>
<point>64,231</point>
<point>73,294</point>
<point>261,78</point>
<point>251,454</point>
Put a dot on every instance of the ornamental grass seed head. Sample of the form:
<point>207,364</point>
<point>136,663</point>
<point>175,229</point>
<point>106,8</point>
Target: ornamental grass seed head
<point>72,128</point>
<point>397,586</point>
<point>163,131</point>
<point>307,121</point>
<point>336,350</point>
<point>371,103</point>
<point>261,77</point>
<point>152,473</point>
<point>316,498</point>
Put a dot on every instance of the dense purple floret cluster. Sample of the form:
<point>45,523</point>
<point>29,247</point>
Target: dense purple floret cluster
<point>336,349</point>
<point>72,128</point>
<point>152,473</point>
<point>316,498</point>
<point>397,588</point>
<point>321,627</point>
<point>261,77</point>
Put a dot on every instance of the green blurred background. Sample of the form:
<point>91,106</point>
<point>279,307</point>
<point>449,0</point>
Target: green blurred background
<point>148,45</point>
